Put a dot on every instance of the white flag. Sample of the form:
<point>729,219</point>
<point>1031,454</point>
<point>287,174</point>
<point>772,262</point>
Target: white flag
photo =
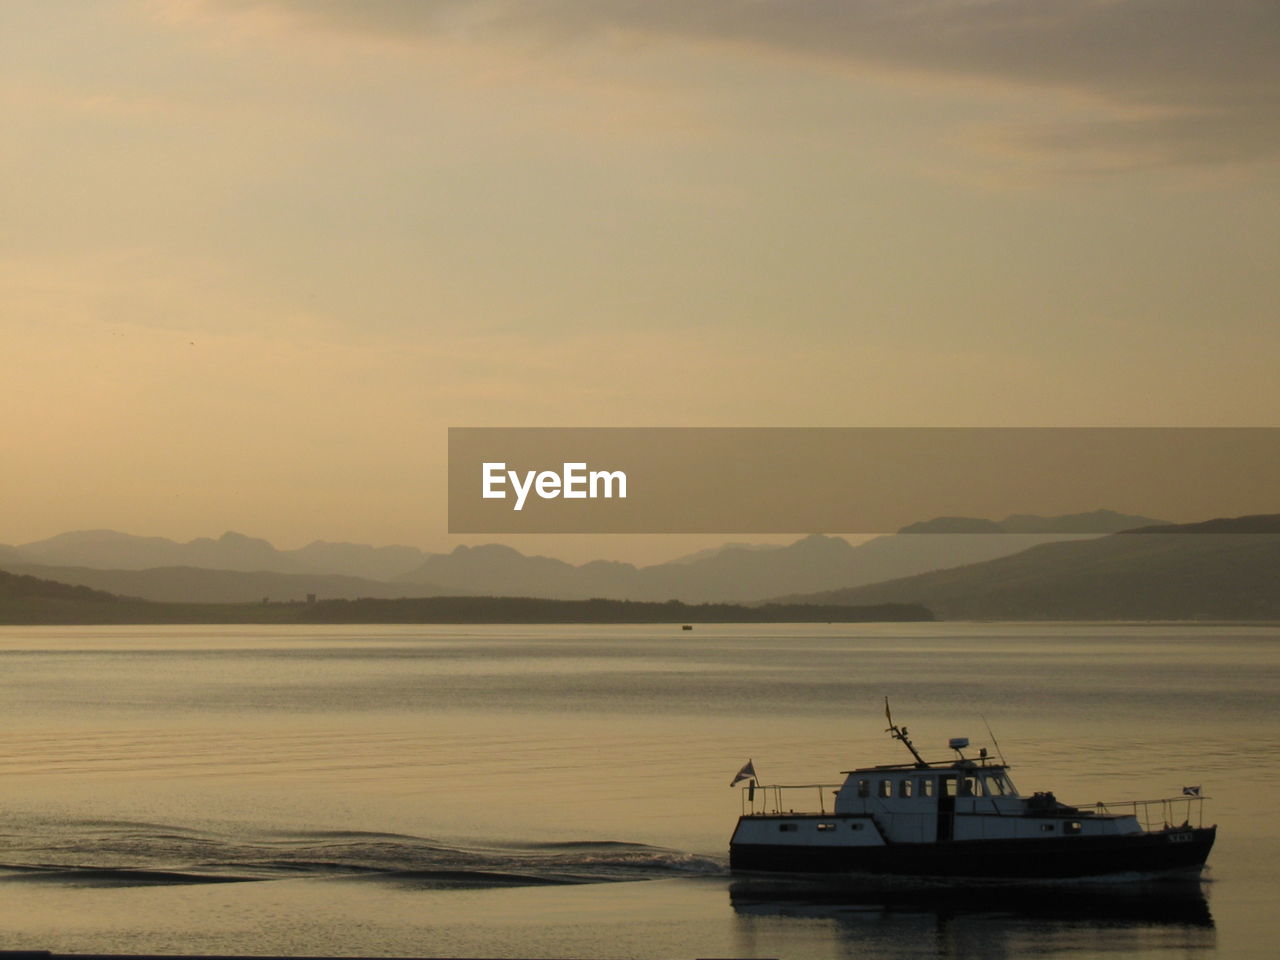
<point>1191,791</point>
<point>748,772</point>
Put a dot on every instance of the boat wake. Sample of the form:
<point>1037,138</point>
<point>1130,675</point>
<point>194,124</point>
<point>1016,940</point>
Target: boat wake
<point>103,853</point>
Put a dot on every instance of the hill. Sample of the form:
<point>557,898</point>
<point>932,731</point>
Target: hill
<point>25,599</point>
<point>15,586</point>
<point>1169,573</point>
<point>201,585</point>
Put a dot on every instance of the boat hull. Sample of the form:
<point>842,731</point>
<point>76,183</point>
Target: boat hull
<point>1177,849</point>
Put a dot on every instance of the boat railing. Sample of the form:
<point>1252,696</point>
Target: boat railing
<point>1156,814</point>
<point>774,798</point>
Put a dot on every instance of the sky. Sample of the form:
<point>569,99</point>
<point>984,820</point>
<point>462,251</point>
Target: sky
<point>257,256</point>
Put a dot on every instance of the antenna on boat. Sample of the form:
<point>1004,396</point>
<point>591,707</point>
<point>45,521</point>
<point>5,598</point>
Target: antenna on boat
<point>901,734</point>
<point>994,742</point>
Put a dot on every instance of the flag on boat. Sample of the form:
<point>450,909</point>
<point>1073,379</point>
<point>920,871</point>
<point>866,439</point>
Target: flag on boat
<point>748,772</point>
<point>1191,791</point>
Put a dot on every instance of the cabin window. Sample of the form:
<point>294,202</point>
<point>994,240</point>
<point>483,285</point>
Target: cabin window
<point>926,786</point>
<point>995,786</point>
<point>886,788</point>
<point>905,786</point>
<point>826,826</point>
<point>1046,828</point>
<point>864,788</point>
<point>949,786</point>
<point>969,787</point>
<point>1071,826</point>
<point>786,827</point>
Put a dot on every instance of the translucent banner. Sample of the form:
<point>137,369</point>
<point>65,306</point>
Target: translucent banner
<point>846,480</point>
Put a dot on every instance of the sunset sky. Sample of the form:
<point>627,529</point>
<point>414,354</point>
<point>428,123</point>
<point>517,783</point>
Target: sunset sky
<point>256,256</point>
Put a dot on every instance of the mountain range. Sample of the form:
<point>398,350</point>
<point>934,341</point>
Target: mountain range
<point>112,550</point>
<point>1225,569</point>
<point>238,568</point>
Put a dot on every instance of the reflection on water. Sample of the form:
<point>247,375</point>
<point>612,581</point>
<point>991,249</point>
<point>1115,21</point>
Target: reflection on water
<point>954,919</point>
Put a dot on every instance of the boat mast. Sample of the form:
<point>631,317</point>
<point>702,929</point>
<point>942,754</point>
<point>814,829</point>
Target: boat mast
<point>999,752</point>
<point>901,734</point>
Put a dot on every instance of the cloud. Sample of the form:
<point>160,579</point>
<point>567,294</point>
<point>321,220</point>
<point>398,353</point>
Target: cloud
<point>1172,81</point>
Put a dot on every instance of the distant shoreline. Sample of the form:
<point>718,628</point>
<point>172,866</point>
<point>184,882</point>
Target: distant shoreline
<point>103,610</point>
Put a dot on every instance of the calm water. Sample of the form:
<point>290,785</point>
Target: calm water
<point>562,791</point>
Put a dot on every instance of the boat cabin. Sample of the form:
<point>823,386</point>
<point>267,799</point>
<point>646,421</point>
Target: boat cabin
<point>921,804</point>
<point>963,799</point>
<point>958,801</point>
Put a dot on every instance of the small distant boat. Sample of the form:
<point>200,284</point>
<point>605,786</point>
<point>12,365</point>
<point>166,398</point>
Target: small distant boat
<point>961,818</point>
<point>687,626</point>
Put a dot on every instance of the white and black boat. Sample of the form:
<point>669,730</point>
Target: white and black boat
<point>961,818</point>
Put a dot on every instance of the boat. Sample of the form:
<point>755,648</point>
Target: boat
<point>962,817</point>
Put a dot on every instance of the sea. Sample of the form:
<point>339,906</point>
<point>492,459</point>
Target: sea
<point>564,791</point>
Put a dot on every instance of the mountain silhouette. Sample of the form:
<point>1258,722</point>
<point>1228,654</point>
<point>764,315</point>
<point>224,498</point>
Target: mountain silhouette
<point>109,549</point>
<point>1225,569</point>
<point>201,570</point>
<point>732,573</point>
